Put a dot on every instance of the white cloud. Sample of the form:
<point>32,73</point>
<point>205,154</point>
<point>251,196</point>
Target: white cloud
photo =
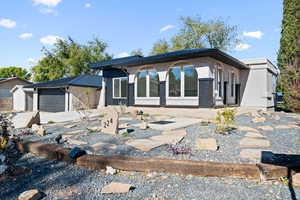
<point>50,39</point>
<point>49,3</point>
<point>48,11</point>
<point>87,5</point>
<point>166,28</point>
<point>32,61</point>
<point>254,34</point>
<point>7,23</point>
<point>123,54</point>
<point>242,47</point>
<point>25,35</point>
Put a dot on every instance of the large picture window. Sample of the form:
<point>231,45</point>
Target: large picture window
<point>141,84</point>
<point>148,84</point>
<point>153,83</point>
<point>190,81</point>
<point>120,87</point>
<point>175,82</point>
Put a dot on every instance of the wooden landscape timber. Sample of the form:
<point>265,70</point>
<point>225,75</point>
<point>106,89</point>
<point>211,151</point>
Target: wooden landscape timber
<point>184,167</point>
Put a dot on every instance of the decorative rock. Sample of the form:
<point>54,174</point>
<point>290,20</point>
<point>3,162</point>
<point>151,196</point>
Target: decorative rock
<point>123,131</point>
<point>258,120</point>
<point>246,128</point>
<point>252,154</point>
<point>116,187</point>
<point>110,170</point>
<point>252,142</point>
<point>254,135</point>
<point>266,128</point>
<point>35,127</point>
<point>144,125</point>
<point>110,122</point>
<point>31,195</point>
<point>41,131</point>
<point>296,180</point>
<point>34,119</point>
<point>207,144</point>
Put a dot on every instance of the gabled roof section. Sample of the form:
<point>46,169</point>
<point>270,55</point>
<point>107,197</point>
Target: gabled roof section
<point>171,56</point>
<point>2,80</point>
<point>81,80</point>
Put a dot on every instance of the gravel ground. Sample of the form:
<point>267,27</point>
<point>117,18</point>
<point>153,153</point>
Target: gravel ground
<point>59,180</point>
<point>282,140</point>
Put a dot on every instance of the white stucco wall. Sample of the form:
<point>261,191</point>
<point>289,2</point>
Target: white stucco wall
<point>259,84</point>
<point>19,99</point>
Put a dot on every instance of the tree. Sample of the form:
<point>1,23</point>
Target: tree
<point>137,52</point>
<point>161,46</point>
<point>69,58</point>
<point>195,33</point>
<point>8,72</point>
<point>289,55</point>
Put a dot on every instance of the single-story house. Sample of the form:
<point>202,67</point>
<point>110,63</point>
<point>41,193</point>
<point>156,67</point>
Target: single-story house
<point>66,94</point>
<point>6,98</point>
<point>199,78</point>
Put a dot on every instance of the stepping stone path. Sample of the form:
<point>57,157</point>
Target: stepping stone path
<point>258,119</point>
<point>254,135</point>
<point>207,144</point>
<point>252,142</point>
<point>252,154</point>
<point>266,128</point>
<point>167,137</point>
<point>247,128</point>
<point>282,127</point>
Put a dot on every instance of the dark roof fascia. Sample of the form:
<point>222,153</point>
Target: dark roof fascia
<point>14,78</point>
<point>177,55</point>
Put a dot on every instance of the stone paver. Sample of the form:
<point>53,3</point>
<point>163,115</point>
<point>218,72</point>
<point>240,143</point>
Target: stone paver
<point>145,144</point>
<point>254,135</point>
<point>252,142</point>
<point>266,128</point>
<point>168,139</point>
<point>296,180</point>
<point>252,154</point>
<point>247,128</point>
<point>258,120</point>
<point>76,142</point>
<point>282,127</point>
<point>116,187</point>
<point>207,144</point>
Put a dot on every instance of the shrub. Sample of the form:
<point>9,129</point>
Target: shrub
<point>225,120</point>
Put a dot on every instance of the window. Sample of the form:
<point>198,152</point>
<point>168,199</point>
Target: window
<point>175,82</point>
<point>120,87</point>
<point>190,81</point>
<point>220,82</point>
<point>153,83</point>
<point>142,84</point>
<point>148,84</point>
<point>232,84</point>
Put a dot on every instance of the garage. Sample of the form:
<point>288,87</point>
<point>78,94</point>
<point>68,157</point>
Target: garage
<point>51,100</point>
<point>66,94</point>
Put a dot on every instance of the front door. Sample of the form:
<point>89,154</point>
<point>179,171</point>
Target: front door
<point>225,93</point>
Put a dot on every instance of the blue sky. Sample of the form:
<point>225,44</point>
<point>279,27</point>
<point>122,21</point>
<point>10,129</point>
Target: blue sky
<point>28,25</point>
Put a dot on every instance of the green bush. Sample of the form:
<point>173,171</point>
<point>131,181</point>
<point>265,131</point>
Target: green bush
<point>224,120</point>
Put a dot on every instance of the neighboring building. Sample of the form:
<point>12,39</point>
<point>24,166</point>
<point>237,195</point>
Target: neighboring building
<point>6,97</point>
<point>260,87</point>
<point>66,94</point>
<point>199,78</point>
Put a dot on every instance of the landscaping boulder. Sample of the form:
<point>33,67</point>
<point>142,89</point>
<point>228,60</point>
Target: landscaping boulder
<point>207,144</point>
<point>116,187</point>
<point>110,122</point>
<point>31,195</point>
<point>35,127</point>
<point>34,119</point>
<point>110,170</point>
<point>296,180</point>
<point>41,131</point>
<point>144,125</point>
<point>123,131</point>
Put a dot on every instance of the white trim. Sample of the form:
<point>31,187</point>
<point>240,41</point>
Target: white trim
<point>147,85</point>
<point>113,88</point>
